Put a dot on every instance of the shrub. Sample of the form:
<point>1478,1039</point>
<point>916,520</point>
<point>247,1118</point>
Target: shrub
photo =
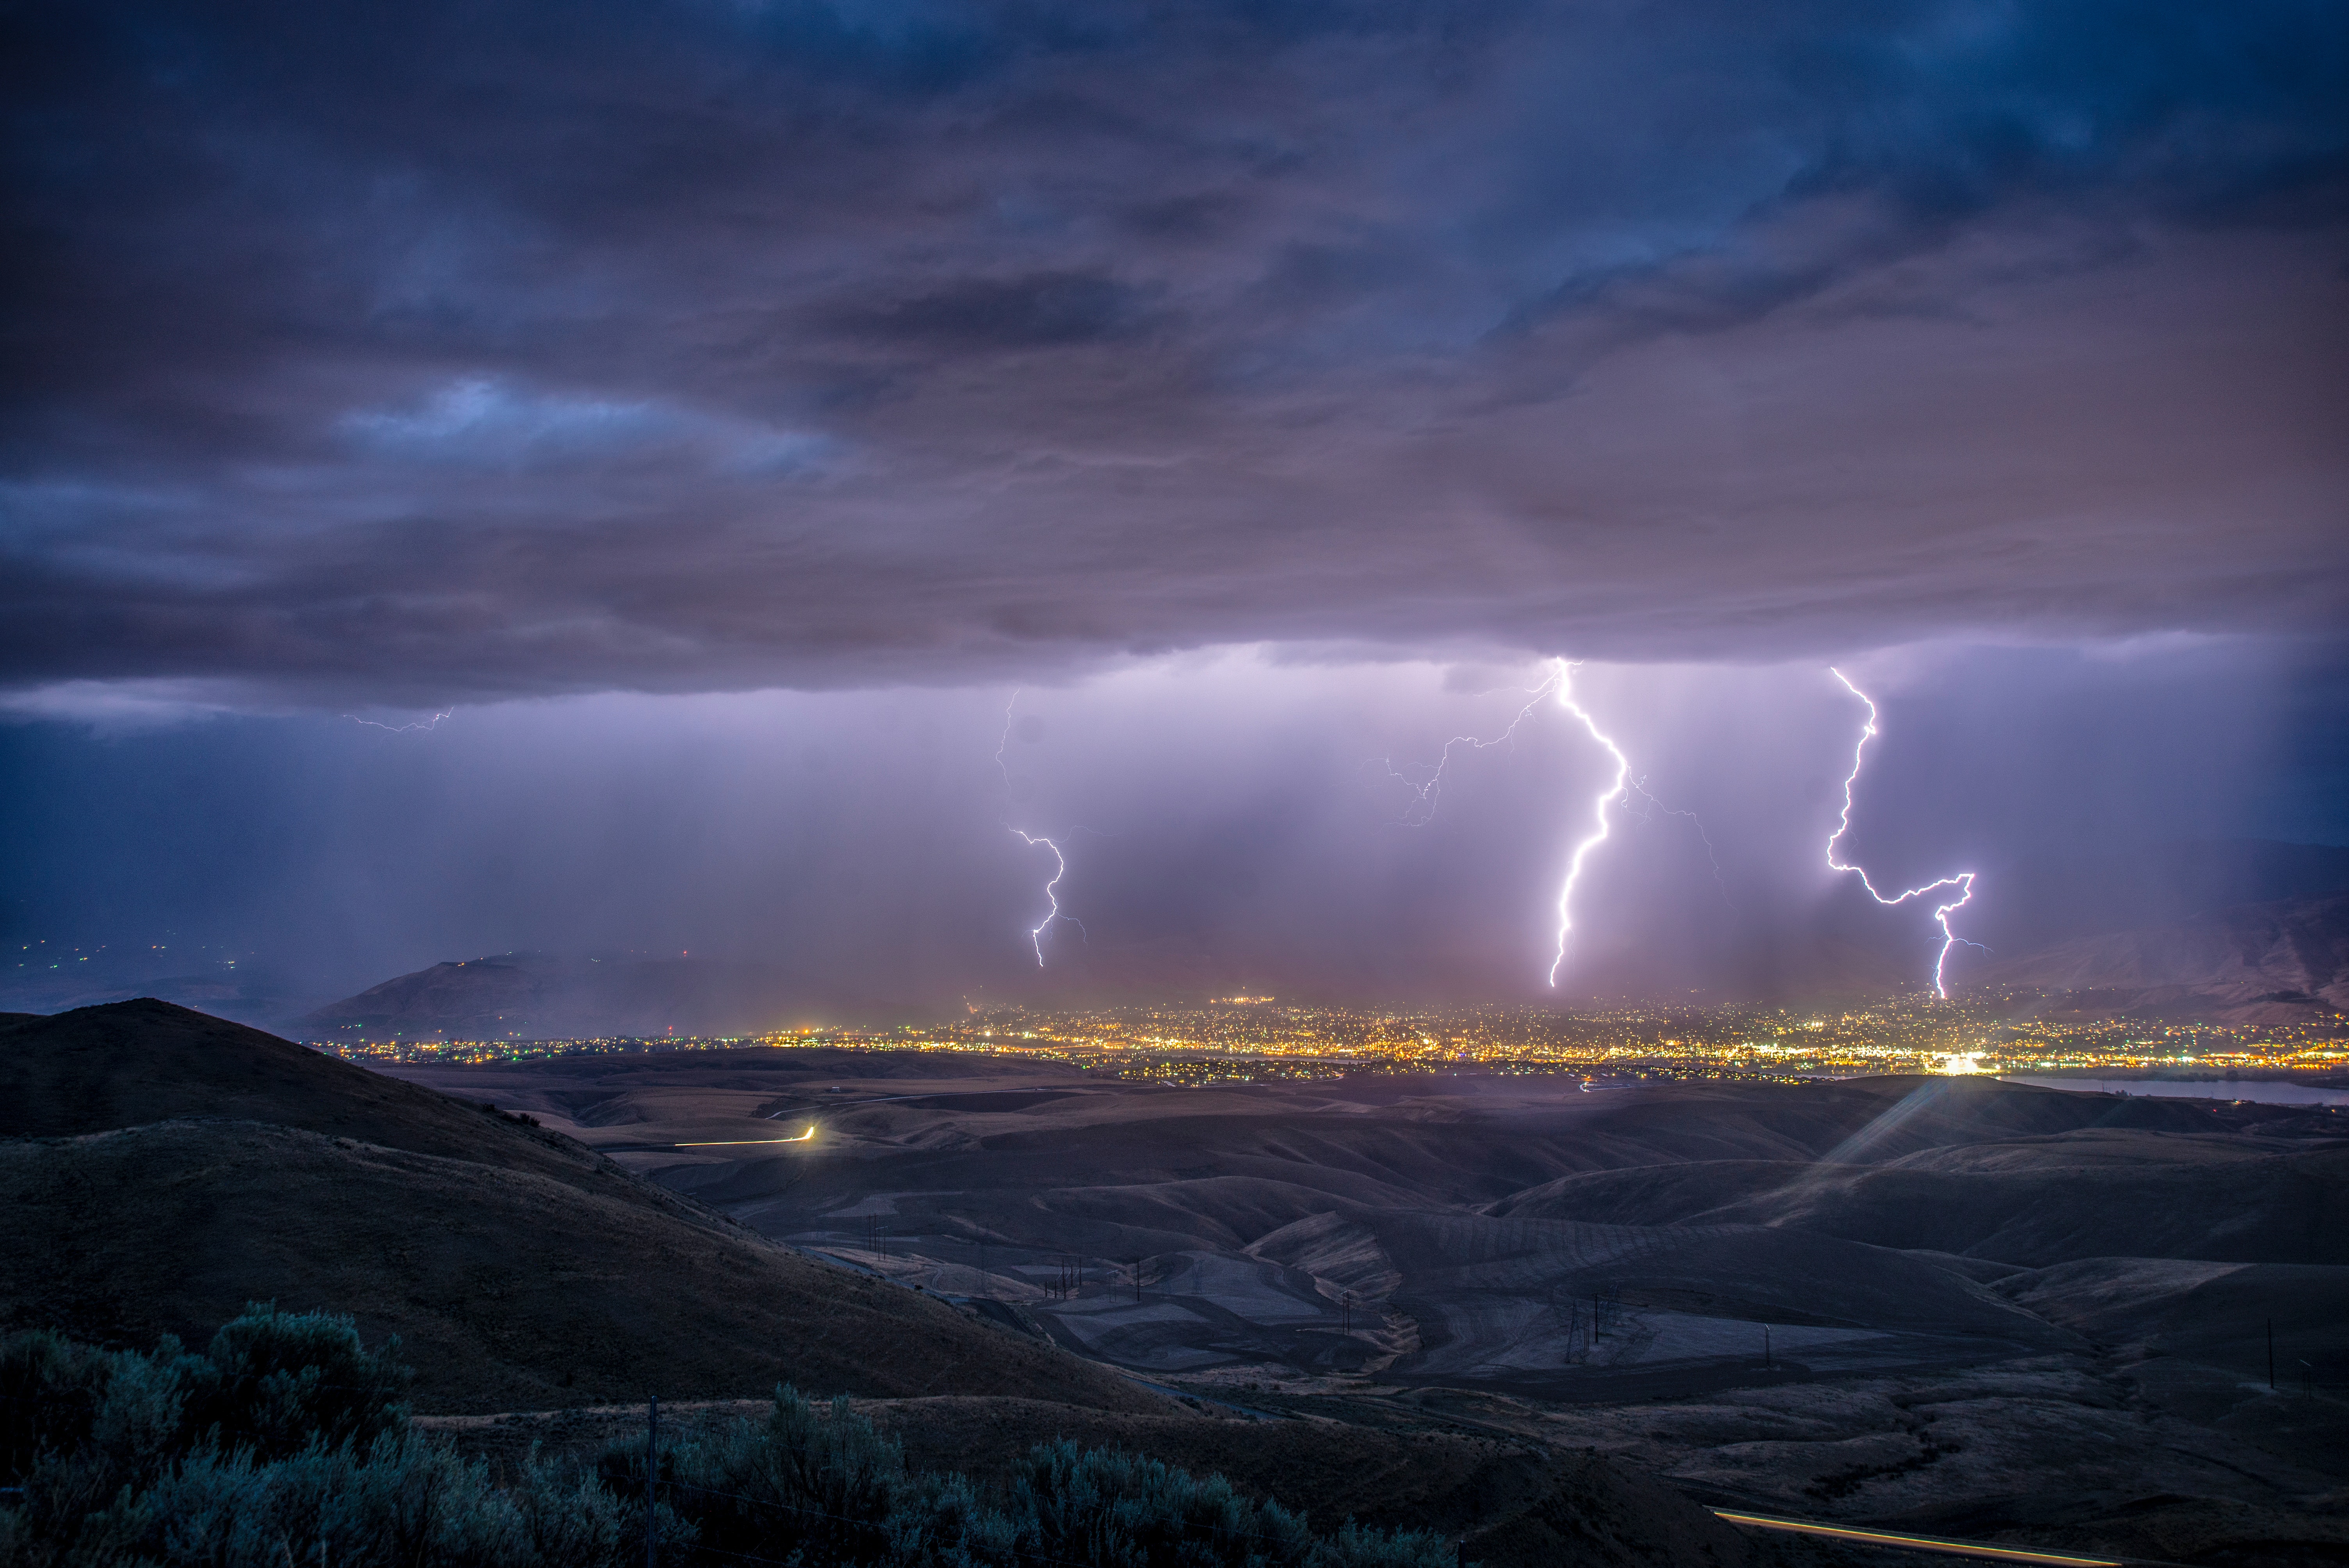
<point>284,1445</point>
<point>283,1382</point>
<point>797,1482</point>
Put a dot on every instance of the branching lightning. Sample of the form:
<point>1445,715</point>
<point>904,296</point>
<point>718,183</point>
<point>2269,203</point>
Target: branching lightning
<point>1059,862</point>
<point>425,725</point>
<point>1423,809</point>
<point>1639,787</point>
<point>1060,870</point>
<point>1962,880</point>
<point>1616,789</point>
<point>1004,741</point>
<point>1560,684</point>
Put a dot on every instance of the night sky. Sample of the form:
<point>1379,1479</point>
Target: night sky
<point>719,411</point>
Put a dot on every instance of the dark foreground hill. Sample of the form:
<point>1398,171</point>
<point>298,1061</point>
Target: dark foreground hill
<point>127,1064</point>
<point>518,1267</point>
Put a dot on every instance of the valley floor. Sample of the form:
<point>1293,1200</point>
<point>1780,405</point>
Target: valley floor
<point>1958,1308</point>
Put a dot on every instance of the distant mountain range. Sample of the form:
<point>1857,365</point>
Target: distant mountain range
<point>541,996</point>
<point>2031,903</point>
<point>2258,963</point>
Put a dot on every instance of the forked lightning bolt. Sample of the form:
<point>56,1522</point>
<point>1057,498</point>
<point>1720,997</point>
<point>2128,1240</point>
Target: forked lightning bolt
<point>1423,809</point>
<point>1060,870</point>
<point>1962,880</point>
<point>1615,790</point>
<point>1059,862</point>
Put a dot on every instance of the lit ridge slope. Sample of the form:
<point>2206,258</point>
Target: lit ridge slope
<point>162,1168</point>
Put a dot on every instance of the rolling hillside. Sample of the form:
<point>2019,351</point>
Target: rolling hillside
<point>162,1168</point>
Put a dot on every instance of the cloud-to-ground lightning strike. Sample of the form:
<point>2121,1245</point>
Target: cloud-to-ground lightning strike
<point>1060,861</point>
<point>1962,880</point>
<point>1423,809</point>
<point>1060,870</point>
<point>1616,789</point>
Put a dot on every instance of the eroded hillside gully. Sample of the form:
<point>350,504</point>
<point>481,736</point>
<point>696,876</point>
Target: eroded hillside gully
<point>1937,1305</point>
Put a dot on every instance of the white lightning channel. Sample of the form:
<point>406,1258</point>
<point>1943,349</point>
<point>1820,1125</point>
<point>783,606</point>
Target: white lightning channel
<point>1615,790</point>
<point>1004,742</point>
<point>1423,809</point>
<point>1060,870</point>
<point>1962,880</point>
<point>424,725</point>
<point>1639,787</point>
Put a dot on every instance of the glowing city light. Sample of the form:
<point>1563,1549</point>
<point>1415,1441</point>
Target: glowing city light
<point>1615,790</point>
<point>1962,880</point>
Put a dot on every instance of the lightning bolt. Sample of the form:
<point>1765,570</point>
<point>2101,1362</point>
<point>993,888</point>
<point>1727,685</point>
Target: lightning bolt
<point>426,725</point>
<point>1615,790</point>
<point>1423,809</point>
<point>1004,741</point>
<point>1060,870</point>
<point>1962,880</point>
<point>1639,787</point>
<point>1060,861</point>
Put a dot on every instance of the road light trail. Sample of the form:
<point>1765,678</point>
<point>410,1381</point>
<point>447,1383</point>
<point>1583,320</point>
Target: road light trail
<point>738,1142</point>
<point>1946,1547</point>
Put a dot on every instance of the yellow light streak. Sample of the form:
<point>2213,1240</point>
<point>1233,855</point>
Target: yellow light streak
<point>738,1142</point>
<point>1918,1542</point>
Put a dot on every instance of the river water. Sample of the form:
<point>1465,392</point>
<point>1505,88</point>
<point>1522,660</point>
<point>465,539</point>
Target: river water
<point>2266,1091</point>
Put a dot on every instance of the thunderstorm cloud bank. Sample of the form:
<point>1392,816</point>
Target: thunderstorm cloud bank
<point>720,408</point>
<point>453,352</point>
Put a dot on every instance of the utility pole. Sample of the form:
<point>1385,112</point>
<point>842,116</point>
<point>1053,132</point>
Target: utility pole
<point>652,1436</point>
<point>1765,1348</point>
<point>2271,1354</point>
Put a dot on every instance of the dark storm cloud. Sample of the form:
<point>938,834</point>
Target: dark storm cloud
<point>439,353</point>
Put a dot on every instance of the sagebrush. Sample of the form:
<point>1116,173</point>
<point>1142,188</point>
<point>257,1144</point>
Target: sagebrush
<point>285,1445</point>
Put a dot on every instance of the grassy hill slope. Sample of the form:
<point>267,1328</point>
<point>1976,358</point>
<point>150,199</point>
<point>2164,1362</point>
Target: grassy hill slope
<point>518,1267</point>
<point>2034,1202</point>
